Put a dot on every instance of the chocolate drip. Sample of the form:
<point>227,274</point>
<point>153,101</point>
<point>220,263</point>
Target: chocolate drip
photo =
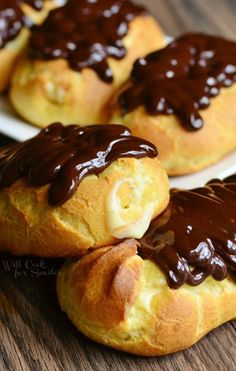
<point>63,156</point>
<point>182,78</point>
<point>12,18</point>
<point>86,33</point>
<point>196,236</point>
<point>36,4</point>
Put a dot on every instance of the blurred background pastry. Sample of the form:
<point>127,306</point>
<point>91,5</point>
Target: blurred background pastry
<point>78,58</point>
<point>16,17</point>
<point>13,38</point>
<point>163,293</point>
<point>70,189</point>
<point>181,98</point>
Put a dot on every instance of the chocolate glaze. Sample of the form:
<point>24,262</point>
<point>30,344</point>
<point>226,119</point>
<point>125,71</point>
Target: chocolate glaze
<point>63,156</point>
<point>196,236</point>
<point>12,18</point>
<point>182,78</point>
<point>86,33</point>
<point>36,4</point>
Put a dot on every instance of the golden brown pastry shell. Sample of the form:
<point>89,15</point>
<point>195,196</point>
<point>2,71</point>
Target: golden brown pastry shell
<point>43,92</point>
<point>38,16</point>
<point>180,151</point>
<point>9,55</point>
<point>117,299</point>
<point>28,225</point>
<point>11,52</point>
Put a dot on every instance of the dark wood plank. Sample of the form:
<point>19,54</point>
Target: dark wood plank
<point>36,335</point>
<point>178,16</point>
<point>4,141</point>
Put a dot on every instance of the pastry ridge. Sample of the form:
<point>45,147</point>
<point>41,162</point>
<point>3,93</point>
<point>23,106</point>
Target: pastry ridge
<point>159,321</point>
<point>47,91</point>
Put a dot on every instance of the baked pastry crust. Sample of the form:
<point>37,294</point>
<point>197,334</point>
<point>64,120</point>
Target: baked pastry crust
<point>11,52</point>
<point>47,91</point>
<point>131,308</point>
<point>104,209</point>
<point>9,55</point>
<point>38,16</point>
<point>180,151</point>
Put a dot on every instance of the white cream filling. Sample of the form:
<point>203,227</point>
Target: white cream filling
<point>117,223</point>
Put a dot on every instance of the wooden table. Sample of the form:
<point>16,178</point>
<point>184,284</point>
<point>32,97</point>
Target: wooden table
<point>36,335</point>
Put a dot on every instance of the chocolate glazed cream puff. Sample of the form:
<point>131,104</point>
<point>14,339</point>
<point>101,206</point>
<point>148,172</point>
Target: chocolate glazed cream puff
<point>164,292</point>
<point>182,99</point>
<point>70,189</point>
<point>78,59</point>
<point>16,17</point>
<point>13,38</point>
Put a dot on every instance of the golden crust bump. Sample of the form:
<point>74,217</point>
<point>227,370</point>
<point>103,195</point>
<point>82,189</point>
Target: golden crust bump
<point>182,152</point>
<point>157,320</point>
<point>28,225</point>
<point>107,299</point>
<point>47,91</point>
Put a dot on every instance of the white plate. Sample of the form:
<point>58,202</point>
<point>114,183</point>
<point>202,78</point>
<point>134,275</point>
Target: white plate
<point>12,126</point>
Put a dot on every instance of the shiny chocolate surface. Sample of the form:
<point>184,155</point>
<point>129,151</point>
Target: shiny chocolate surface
<point>11,20</point>
<point>196,236</point>
<point>64,156</point>
<point>36,4</point>
<point>86,33</point>
<point>182,78</point>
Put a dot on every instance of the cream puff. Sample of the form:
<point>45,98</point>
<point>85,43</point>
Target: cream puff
<point>164,292</point>
<point>16,17</point>
<point>181,98</point>
<point>71,189</point>
<point>13,38</point>
<point>78,59</point>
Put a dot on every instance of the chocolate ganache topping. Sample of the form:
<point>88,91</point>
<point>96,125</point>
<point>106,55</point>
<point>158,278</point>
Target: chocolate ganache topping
<point>36,4</point>
<point>12,18</point>
<point>182,78</point>
<point>196,236</point>
<point>86,33</point>
<point>63,156</point>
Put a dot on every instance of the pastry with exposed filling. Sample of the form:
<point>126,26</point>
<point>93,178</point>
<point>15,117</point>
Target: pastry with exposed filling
<point>78,58</point>
<point>71,189</point>
<point>164,292</point>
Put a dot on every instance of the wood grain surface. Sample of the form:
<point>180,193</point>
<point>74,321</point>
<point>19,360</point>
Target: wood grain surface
<point>36,335</point>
